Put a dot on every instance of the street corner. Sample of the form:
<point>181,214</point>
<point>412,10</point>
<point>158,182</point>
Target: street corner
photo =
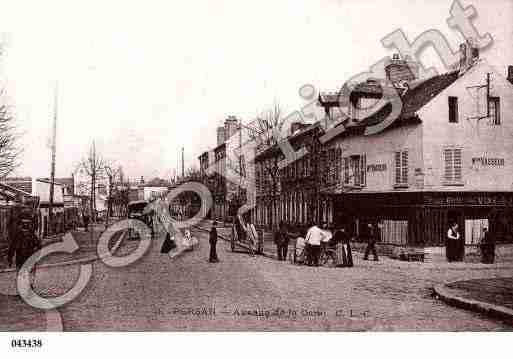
<point>492,297</point>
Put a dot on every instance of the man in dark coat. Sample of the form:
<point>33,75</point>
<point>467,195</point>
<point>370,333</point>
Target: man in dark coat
<point>487,247</point>
<point>281,239</point>
<point>213,242</point>
<point>23,242</point>
<point>371,242</point>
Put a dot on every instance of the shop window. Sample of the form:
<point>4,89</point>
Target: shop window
<point>495,111</point>
<point>452,166</point>
<point>394,232</point>
<point>401,168</point>
<point>474,230</point>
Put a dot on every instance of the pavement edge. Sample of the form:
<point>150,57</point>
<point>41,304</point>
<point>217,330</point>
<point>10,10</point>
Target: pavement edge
<point>492,310</point>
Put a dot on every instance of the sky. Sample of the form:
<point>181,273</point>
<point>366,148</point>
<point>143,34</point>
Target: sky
<point>145,78</point>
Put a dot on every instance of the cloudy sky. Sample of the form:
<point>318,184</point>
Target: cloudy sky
<point>144,78</point>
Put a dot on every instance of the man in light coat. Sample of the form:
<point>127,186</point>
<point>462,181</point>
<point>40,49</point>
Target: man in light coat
<point>314,237</point>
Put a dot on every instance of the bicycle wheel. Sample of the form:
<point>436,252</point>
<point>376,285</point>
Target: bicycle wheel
<point>329,259</point>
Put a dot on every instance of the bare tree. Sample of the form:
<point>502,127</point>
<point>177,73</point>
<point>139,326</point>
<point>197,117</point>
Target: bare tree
<point>267,132</point>
<point>112,174</point>
<point>9,150</point>
<point>93,166</point>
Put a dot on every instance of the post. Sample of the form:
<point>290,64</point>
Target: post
<point>183,169</point>
<point>52,170</point>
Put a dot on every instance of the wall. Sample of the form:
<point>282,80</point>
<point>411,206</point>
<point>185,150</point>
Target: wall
<point>42,189</point>
<point>476,138</point>
<point>380,150</point>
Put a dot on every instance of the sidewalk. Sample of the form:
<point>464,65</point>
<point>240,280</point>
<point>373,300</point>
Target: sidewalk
<point>493,296</point>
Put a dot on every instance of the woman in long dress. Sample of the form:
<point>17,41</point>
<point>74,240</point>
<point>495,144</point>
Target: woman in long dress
<point>344,253</point>
<point>452,246</point>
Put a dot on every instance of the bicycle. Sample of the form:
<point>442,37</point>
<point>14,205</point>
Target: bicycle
<point>328,256</point>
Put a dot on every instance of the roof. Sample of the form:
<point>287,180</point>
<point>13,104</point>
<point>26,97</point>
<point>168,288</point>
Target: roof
<point>22,183</point>
<point>412,101</point>
<point>13,193</point>
<point>292,138</point>
<point>219,147</point>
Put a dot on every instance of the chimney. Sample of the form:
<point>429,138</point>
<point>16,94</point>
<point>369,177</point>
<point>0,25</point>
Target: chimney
<point>295,126</point>
<point>469,54</point>
<point>231,125</point>
<point>398,70</point>
<point>463,56</point>
<point>510,74</point>
<point>220,135</point>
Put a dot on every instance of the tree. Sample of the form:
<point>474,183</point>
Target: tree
<point>112,173</point>
<point>9,150</point>
<point>93,166</point>
<point>267,132</point>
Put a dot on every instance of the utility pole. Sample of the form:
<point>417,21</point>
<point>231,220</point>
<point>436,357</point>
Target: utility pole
<point>183,169</point>
<point>52,170</point>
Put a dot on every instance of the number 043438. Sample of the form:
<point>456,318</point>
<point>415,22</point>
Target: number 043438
<point>26,343</point>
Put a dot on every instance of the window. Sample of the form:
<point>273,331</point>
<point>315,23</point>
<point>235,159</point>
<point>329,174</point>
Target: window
<point>495,110</point>
<point>401,168</point>
<point>452,163</point>
<point>338,159</point>
<point>358,169</point>
<point>453,109</point>
<point>346,170</point>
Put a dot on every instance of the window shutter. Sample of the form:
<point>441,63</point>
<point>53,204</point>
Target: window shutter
<point>457,164</point>
<point>363,168</point>
<point>448,175</point>
<point>346,170</point>
<point>398,167</point>
<point>404,167</point>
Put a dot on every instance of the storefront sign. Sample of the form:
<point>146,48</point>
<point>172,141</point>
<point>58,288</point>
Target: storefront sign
<point>485,161</point>
<point>380,167</point>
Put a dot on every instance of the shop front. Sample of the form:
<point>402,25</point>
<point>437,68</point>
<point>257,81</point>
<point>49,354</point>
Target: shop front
<point>423,218</point>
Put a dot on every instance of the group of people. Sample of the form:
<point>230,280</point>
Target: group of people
<point>310,242</point>
<point>455,245</point>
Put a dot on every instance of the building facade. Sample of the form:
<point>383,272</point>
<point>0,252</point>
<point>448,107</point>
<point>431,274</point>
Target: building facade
<point>448,157</point>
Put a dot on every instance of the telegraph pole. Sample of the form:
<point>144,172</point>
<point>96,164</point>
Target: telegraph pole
<point>183,169</point>
<point>52,170</point>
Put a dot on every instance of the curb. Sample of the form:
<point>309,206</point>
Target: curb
<point>267,255</point>
<point>495,311</point>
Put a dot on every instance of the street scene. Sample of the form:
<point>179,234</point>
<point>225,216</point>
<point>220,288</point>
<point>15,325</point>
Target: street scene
<point>251,186</point>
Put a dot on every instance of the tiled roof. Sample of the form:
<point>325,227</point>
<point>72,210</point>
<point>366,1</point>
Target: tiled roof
<point>424,92</point>
<point>292,138</point>
<point>412,101</point>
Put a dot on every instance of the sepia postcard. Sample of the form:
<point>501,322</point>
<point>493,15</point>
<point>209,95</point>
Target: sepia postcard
<point>255,166</point>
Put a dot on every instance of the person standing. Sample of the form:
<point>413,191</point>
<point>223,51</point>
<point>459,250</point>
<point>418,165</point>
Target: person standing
<point>487,247</point>
<point>281,240</point>
<point>344,254</point>
<point>213,242</point>
<point>452,243</point>
<point>314,237</point>
<point>23,243</point>
<point>371,242</point>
